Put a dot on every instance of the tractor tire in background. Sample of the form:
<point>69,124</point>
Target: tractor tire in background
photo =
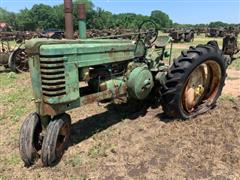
<point>194,81</point>
<point>18,61</point>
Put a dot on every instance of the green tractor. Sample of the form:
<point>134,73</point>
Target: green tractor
<point>109,69</point>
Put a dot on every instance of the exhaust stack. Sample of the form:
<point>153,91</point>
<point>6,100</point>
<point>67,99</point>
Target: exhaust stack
<point>68,8</point>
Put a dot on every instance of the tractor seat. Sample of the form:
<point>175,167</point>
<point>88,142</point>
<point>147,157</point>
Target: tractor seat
<point>162,41</point>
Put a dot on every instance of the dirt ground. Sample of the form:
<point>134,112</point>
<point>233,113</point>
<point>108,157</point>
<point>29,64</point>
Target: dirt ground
<point>232,85</point>
<point>125,142</point>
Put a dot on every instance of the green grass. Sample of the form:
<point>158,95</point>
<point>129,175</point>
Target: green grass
<point>2,177</point>
<point>97,151</point>
<point>236,64</point>
<point>224,98</point>
<point>15,96</point>
<point>13,44</point>
<point>81,177</point>
<point>8,80</point>
<point>176,53</point>
<point>101,150</point>
<point>16,103</point>
<point>13,159</point>
<point>232,78</point>
<point>75,161</point>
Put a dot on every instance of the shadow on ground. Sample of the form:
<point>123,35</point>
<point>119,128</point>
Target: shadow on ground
<point>86,128</point>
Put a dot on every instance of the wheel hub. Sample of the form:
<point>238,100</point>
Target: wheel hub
<point>199,90</point>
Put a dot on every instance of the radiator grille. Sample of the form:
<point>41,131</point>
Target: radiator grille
<point>53,76</point>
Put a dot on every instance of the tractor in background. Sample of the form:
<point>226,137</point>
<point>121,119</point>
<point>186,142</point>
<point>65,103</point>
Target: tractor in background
<point>13,57</point>
<point>230,43</point>
<point>186,35</point>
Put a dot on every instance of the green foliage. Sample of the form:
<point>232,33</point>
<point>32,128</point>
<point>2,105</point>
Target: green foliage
<point>7,17</point>
<point>217,24</point>
<point>128,20</point>
<point>42,16</point>
<point>162,19</point>
<point>24,21</point>
<point>88,3</point>
<point>100,19</point>
<point>59,15</point>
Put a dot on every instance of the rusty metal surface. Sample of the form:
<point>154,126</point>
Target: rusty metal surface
<point>81,9</point>
<point>107,94</point>
<point>202,84</point>
<point>178,35</point>
<point>13,57</point>
<point>230,44</point>
<point>69,33</point>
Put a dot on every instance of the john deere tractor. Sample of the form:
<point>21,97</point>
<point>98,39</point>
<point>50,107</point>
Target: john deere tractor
<point>109,69</point>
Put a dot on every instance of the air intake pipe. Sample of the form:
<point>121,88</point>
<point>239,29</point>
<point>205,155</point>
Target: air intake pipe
<point>81,9</point>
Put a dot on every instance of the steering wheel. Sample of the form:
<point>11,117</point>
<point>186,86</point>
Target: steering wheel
<point>148,31</point>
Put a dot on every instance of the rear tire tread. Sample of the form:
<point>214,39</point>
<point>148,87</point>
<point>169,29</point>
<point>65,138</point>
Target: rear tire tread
<point>181,69</point>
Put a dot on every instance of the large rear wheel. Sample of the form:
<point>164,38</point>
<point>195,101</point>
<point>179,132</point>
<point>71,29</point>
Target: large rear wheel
<point>194,81</point>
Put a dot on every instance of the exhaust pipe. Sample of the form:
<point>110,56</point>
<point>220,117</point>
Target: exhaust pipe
<point>81,9</point>
<point>68,8</point>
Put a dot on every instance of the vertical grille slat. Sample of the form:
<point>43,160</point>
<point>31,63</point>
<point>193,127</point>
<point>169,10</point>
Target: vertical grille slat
<point>53,76</point>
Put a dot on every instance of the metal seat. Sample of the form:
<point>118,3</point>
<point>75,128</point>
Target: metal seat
<point>162,41</point>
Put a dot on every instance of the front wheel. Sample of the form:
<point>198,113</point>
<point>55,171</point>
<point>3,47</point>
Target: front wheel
<point>194,81</point>
<point>30,139</point>
<point>56,139</point>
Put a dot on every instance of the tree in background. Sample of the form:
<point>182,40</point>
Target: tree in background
<point>59,15</point>
<point>161,18</point>
<point>42,17</point>
<point>128,20</point>
<point>217,24</point>
<point>8,17</point>
<point>88,3</point>
<point>24,21</point>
